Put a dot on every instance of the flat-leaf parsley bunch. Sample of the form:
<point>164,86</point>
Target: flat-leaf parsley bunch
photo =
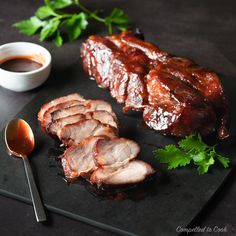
<point>50,18</point>
<point>191,149</point>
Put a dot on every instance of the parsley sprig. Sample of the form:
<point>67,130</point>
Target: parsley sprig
<point>191,149</point>
<point>49,20</point>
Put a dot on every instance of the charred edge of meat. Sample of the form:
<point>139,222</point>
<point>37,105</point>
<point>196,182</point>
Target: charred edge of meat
<point>206,89</point>
<point>56,101</point>
<point>47,117</point>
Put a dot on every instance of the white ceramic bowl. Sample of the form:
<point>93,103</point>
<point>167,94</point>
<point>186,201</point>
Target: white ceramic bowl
<point>24,81</point>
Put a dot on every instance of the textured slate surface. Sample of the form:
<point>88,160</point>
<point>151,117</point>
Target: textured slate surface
<point>177,196</point>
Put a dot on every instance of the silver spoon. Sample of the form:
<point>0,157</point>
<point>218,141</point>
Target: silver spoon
<point>19,140</point>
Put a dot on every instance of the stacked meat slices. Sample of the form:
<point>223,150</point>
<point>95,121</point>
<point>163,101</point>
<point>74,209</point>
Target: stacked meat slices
<point>176,96</point>
<point>89,129</point>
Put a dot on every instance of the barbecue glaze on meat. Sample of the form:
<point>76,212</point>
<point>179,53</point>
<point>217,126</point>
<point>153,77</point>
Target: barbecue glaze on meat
<point>177,97</point>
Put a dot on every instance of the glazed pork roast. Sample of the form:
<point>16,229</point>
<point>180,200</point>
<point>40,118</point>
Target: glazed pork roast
<point>177,97</point>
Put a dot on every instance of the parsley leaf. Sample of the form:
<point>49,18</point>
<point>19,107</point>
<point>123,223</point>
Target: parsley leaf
<point>192,144</point>
<point>49,29</point>
<point>203,166</point>
<point>118,18</point>
<point>58,39</point>
<point>76,24</point>
<point>44,12</point>
<point>191,149</point>
<point>30,26</point>
<point>58,4</point>
<point>172,156</point>
<point>223,160</point>
<point>50,20</point>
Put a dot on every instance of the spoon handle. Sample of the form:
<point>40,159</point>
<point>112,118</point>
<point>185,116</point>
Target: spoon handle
<point>37,203</point>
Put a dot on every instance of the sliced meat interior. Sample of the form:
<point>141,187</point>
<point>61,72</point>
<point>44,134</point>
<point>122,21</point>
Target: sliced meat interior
<point>68,111</point>
<point>116,152</point>
<point>83,107</point>
<point>132,173</point>
<point>79,160</point>
<point>103,116</point>
<point>94,105</point>
<point>75,133</point>
<point>47,118</point>
<point>45,107</point>
<point>89,131</point>
<point>54,128</point>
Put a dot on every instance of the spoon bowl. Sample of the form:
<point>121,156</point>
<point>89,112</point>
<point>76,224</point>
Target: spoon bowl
<point>19,139</point>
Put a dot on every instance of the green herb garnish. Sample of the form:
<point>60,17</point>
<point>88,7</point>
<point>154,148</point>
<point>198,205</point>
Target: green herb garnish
<point>49,20</point>
<point>191,149</point>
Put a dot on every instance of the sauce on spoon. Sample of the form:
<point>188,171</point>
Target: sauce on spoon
<point>20,138</point>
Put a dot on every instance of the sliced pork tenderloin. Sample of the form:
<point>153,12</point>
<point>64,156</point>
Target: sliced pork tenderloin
<point>75,133</point>
<point>116,152</point>
<point>132,173</point>
<point>45,107</point>
<point>54,128</point>
<point>79,160</point>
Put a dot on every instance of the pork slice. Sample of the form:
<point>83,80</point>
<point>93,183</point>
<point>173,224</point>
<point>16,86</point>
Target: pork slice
<point>94,105</point>
<point>47,117</point>
<point>54,128</point>
<point>100,105</point>
<point>68,111</point>
<point>45,107</point>
<point>104,117</point>
<point>79,160</point>
<point>132,173</point>
<point>75,133</point>
<point>116,152</point>
<point>84,107</point>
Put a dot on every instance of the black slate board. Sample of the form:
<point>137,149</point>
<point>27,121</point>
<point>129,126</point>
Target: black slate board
<point>171,199</point>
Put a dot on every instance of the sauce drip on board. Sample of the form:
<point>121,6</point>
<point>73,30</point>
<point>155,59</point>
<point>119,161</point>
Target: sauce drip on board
<point>19,139</point>
<point>20,64</point>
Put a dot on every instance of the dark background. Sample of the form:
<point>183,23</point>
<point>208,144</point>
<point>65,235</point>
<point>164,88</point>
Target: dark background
<point>180,26</point>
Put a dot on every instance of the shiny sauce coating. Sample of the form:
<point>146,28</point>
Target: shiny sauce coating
<point>20,64</point>
<point>19,139</point>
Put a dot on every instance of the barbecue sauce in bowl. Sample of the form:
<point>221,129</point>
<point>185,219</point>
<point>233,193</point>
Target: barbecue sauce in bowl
<point>20,64</point>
